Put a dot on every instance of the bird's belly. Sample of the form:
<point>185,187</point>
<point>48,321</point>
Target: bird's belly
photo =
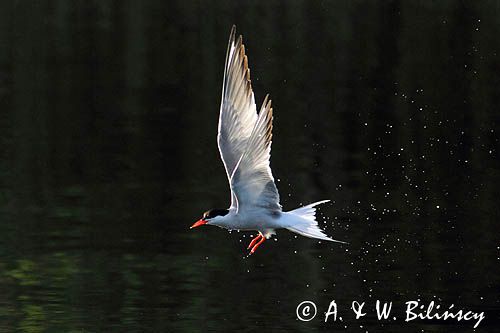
<point>259,222</point>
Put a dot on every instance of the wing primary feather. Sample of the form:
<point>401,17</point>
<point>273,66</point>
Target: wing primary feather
<point>228,54</point>
<point>238,113</point>
<point>268,127</point>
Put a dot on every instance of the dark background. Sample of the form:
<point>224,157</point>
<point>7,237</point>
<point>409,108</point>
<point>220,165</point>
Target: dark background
<point>108,119</point>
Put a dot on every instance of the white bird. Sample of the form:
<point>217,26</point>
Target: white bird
<point>244,141</point>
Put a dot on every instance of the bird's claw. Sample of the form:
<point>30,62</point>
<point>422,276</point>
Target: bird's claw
<point>255,243</point>
<point>254,240</point>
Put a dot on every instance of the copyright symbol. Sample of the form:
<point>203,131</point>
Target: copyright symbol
<point>306,311</point>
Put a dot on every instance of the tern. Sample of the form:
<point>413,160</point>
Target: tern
<point>244,141</point>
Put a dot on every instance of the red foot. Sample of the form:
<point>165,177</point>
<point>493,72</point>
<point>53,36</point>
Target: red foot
<point>262,239</point>
<point>252,243</point>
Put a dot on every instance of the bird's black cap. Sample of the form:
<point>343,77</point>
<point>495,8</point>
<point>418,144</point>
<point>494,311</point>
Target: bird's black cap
<point>214,212</point>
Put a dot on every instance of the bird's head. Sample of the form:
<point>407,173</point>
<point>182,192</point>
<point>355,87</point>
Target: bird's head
<point>211,216</point>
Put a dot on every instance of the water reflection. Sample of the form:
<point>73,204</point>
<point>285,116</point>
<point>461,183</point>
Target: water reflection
<point>108,155</point>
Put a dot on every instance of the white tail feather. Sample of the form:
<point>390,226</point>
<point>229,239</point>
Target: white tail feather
<point>307,224</point>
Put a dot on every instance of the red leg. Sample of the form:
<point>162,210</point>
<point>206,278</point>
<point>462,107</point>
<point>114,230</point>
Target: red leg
<point>252,243</point>
<point>258,244</point>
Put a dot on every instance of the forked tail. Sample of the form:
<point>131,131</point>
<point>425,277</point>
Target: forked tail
<point>306,225</point>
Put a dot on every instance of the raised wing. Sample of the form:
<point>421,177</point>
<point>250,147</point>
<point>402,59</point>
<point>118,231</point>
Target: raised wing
<point>252,182</point>
<point>238,113</point>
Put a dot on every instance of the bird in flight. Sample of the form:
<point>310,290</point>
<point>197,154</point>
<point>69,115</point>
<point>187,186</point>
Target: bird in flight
<point>244,141</point>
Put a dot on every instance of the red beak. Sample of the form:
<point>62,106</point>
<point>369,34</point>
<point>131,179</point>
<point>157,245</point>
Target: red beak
<point>198,223</point>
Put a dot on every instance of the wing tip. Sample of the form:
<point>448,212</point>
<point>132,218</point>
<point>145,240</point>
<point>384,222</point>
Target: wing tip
<point>266,104</point>
<point>232,34</point>
<point>236,68</point>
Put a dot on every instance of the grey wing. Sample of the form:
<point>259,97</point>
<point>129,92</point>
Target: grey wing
<point>252,181</point>
<point>238,113</point>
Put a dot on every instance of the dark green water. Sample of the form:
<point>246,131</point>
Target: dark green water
<point>108,119</point>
